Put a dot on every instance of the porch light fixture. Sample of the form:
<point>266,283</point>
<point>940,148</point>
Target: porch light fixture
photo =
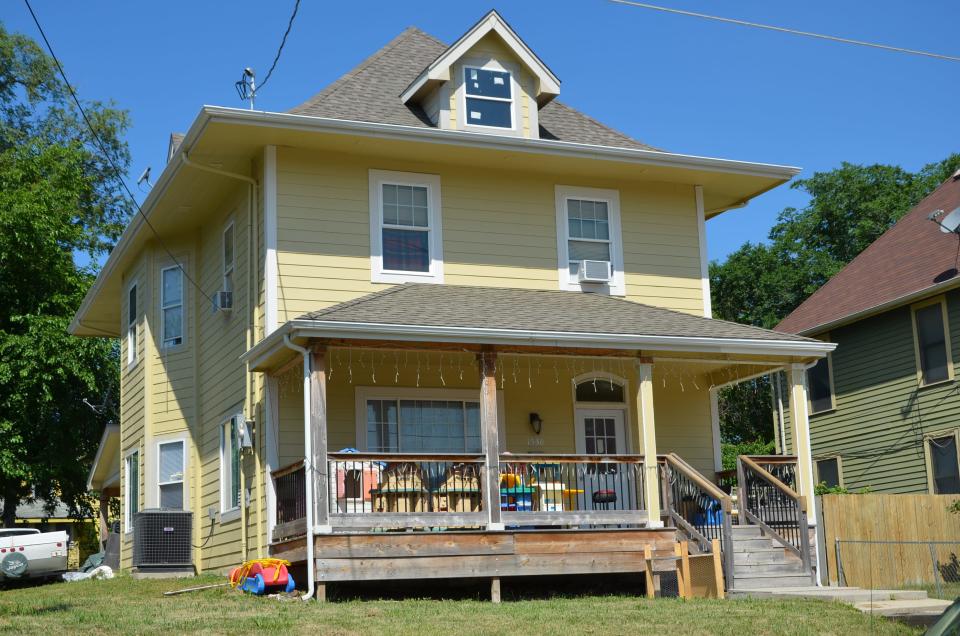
<point>536,423</point>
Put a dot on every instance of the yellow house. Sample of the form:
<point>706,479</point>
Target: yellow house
<point>500,302</point>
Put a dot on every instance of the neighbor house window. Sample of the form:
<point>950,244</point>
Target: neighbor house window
<point>820,386</point>
<point>416,426</point>
<point>829,472</point>
<point>944,464</point>
<point>406,243</point>
<point>229,259</point>
<point>230,465</point>
<point>933,349</point>
<point>588,229</point>
<point>170,478</point>
<point>488,97</point>
<point>131,496</point>
<point>132,325</point>
<point>171,304</point>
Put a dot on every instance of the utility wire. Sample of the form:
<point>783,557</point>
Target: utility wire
<point>103,150</point>
<point>768,27</point>
<point>296,7</point>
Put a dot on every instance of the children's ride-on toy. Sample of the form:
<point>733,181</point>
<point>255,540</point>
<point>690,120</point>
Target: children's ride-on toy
<point>262,576</point>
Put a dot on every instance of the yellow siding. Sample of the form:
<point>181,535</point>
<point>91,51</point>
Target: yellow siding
<point>499,229</point>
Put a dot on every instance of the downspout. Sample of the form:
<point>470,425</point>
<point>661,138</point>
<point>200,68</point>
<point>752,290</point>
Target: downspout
<point>251,292</point>
<point>307,461</point>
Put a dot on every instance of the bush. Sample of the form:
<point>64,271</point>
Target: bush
<point>730,452</point>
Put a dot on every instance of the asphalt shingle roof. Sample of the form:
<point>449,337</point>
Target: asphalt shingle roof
<point>371,93</point>
<point>530,310</point>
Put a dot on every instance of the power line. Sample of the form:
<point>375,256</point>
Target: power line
<point>103,150</point>
<point>276,58</point>
<point>768,27</point>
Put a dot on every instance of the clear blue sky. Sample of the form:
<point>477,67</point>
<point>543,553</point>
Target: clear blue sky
<point>678,83</point>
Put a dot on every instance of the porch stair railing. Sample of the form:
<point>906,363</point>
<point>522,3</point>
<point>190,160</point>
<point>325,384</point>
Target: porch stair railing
<point>767,498</point>
<point>698,508</point>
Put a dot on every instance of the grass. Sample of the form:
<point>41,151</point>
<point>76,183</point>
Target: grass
<point>123,605</point>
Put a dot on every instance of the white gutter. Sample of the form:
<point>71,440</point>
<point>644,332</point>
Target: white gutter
<point>307,462</point>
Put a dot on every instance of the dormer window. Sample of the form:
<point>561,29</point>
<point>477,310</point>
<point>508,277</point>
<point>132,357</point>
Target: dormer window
<point>489,97</point>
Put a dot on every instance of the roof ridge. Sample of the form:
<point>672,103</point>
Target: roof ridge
<point>364,64</point>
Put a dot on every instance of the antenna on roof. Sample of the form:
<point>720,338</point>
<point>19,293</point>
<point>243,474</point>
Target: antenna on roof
<point>247,86</point>
<point>949,224</point>
<point>144,177</point>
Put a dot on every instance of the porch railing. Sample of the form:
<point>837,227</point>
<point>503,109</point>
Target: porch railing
<point>698,508</point>
<point>766,501</point>
<point>291,500</point>
<point>572,490</point>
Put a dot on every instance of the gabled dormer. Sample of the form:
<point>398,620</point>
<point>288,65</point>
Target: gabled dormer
<point>488,81</point>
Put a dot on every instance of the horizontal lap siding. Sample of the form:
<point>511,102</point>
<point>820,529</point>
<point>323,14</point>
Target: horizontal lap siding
<point>499,229</point>
<point>882,415</point>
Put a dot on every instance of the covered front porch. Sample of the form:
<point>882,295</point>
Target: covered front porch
<point>464,435</point>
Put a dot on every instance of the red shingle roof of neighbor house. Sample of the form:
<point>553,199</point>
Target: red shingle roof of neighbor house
<point>910,257</point>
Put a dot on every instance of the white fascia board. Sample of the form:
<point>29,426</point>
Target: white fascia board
<point>309,123</point>
<point>586,340</point>
<point>439,69</point>
<point>110,429</point>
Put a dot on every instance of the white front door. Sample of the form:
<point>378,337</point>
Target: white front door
<point>604,486</point>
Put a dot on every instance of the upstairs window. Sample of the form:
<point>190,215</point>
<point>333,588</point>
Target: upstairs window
<point>488,97</point>
<point>171,304</point>
<point>132,325</point>
<point>406,244</point>
<point>588,229</point>
<point>932,346</point>
<point>820,386</point>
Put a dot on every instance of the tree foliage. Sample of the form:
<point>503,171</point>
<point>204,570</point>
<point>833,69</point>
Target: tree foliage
<point>760,283</point>
<point>59,198</point>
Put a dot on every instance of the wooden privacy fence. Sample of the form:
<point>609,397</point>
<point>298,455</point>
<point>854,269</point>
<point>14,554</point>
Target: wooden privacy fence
<point>881,540</point>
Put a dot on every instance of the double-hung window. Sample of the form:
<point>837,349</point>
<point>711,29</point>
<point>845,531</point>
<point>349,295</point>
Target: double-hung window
<point>171,304</point>
<point>423,425</point>
<point>230,465</point>
<point>131,497</point>
<point>588,229</point>
<point>132,325</point>
<point>170,468</point>
<point>405,234</point>
<point>488,97</point>
<point>228,258</point>
<point>933,348</point>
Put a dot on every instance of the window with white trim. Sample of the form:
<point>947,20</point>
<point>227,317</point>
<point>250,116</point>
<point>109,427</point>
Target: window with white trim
<point>131,495</point>
<point>170,472</point>
<point>588,229</point>
<point>417,426</point>
<point>488,97</point>
<point>229,258</point>
<point>230,465</point>
<point>171,306</point>
<point>405,234</point>
<point>132,325</point>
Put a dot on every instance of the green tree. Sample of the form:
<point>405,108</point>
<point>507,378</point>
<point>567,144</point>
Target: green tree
<point>59,199</point>
<point>759,284</point>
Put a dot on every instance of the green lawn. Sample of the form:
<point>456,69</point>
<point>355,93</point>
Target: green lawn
<point>123,605</point>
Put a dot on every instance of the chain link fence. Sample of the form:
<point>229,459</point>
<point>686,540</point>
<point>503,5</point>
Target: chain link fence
<point>933,566</point>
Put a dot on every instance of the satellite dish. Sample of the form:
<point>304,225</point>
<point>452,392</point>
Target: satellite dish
<point>949,224</point>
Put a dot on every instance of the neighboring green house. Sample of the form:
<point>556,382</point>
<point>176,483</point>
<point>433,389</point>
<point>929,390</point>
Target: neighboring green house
<point>885,406</point>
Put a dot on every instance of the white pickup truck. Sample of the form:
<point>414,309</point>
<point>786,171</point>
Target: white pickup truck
<point>28,553</point>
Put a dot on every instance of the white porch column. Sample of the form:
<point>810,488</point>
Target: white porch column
<point>648,436</point>
<point>800,430</point>
<point>491,439</point>
<point>318,423</point>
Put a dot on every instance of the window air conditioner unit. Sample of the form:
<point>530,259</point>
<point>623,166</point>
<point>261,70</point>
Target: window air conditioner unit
<point>161,539</point>
<point>594,272</point>
<point>223,301</point>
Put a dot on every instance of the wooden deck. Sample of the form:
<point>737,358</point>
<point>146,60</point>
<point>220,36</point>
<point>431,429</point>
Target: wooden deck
<point>439,555</point>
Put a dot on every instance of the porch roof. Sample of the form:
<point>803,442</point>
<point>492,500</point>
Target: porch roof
<point>491,315</point>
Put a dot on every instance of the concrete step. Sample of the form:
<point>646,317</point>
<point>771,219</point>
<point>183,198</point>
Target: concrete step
<point>766,581</point>
<point>753,569</point>
<point>764,555</point>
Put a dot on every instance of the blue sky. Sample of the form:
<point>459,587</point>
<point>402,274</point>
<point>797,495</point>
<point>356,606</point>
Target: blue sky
<point>675,82</point>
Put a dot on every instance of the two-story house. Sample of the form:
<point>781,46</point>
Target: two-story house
<point>883,406</point>
<point>435,262</point>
